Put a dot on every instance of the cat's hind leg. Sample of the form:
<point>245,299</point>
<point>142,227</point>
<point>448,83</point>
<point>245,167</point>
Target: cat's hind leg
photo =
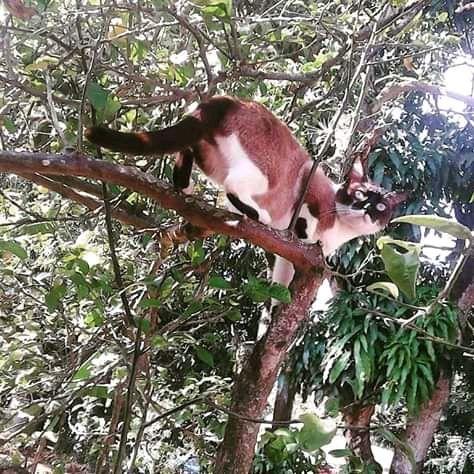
<point>242,207</point>
<point>240,187</point>
<point>244,178</point>
<point>182,171</point>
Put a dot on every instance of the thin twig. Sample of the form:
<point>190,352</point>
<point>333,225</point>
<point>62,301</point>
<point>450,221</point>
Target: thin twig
<point>425,334</point>
<point>52,108</point>
<point>332,129</point>
<point>95,52</point>
<point>199,40</point>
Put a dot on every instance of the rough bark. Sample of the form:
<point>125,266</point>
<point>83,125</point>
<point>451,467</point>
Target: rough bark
<point>194,210</point>
<point>420,429</point>
<point>358,416</point>
<point>254,383</point>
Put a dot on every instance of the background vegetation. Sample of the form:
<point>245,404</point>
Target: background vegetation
<point>120,340</point>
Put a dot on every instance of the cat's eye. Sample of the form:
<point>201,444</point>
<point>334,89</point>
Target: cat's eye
<point>359,195</point>
<point>381,207</point>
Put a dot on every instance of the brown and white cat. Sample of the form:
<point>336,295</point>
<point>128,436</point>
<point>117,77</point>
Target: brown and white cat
<point>243,147</point>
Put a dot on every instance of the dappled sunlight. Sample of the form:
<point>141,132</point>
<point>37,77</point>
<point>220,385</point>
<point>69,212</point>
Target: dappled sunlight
<point>459,79</point>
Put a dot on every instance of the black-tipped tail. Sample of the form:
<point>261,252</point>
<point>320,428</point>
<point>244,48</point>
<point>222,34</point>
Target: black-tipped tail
<point>169,140</point>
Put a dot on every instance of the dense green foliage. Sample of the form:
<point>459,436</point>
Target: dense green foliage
<point>66,349</point>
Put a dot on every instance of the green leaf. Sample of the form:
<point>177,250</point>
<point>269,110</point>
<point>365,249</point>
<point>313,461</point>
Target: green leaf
<point>430,350</point>
<point>138,51</point>
<point>314,433</point>
<point>339,366</point>
<point>143,324</point>
<point>111,107</point>
<point>193,308</point>
<point>94,319</point>
<point>82,288</point>
<point>84,371</point>
<point>233,315</point>
<point>217,281</point>
<point>441,224</point>
<point>412,392</point>
<point>280,293</point>
<point>8,124</point>
<point>340,453</point>
<point>442,17</point>
<point>98,391</point>
<point>97,96</point>
<point>196,253</point>
<point>14,248</point>
<point>160,342</point>
<point>205,356</point>
<point>332,406</point>
<point>257,290</point>
<point>54,296</point>
<point>38,228</point>
<point>428,375</point>
<point>387,286</point>
<point>401,267</point>
<point>150,303</point>
<point>218,8</point>
<point>359,370</point>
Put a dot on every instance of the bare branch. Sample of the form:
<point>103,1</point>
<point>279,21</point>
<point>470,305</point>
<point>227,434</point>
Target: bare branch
<point>121,214</point>
<point>393,91</point>
<point>37,93</point>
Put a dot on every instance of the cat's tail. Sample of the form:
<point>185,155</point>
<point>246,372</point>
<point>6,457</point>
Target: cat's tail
<point>184,134</point>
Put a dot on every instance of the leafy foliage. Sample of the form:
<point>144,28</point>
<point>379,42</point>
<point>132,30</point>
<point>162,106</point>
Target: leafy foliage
<point>366,353</point>
<point>65,350</point>
<point>290,449</point>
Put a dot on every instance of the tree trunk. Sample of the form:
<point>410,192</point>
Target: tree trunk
<point>421,428</point>
<point>285,396</point>
<point>357,416</point>
<point>254,383</point>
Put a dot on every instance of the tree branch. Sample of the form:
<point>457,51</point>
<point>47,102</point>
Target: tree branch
<point>119,213</point>
<point>256,380</point>
<point>194,210</point>
<point>393,91</point>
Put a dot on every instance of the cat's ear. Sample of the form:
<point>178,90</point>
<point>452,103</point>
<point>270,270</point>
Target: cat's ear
<point>357,172</point>
<point>395,198</point>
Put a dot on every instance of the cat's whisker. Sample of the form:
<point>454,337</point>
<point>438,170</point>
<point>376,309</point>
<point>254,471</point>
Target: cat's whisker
<point>341,212</point>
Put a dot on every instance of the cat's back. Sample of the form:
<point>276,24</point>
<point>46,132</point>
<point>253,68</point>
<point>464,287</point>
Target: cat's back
<point>251,120</point>
<point>264,137</point>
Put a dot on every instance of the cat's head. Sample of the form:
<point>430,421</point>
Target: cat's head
<point>363,205</point>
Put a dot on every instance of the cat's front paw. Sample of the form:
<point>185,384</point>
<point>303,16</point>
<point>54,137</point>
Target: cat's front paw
<point>189,189</point>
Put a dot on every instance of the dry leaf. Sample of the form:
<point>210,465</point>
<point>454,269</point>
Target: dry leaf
<point>18,9</point>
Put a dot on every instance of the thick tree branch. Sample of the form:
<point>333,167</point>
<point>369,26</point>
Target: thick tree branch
<point>255,382</point>
<point>194,210</point>
<point>421,428</point>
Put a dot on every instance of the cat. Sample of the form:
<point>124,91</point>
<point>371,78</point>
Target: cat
<point>241,146</point>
